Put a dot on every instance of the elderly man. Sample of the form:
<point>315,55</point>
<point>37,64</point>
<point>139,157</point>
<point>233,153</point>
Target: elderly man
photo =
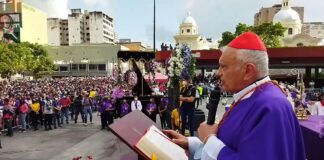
<point>260,124</point>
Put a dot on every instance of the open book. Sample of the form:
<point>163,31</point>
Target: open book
<point>156,142</point>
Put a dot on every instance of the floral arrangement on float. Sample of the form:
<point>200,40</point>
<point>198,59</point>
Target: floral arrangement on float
<point>115,72</point>
<point>180,65</point>
<point>118,92</point>
<point>152,68</point>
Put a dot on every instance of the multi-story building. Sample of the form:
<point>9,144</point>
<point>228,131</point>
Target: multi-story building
<point>57,32</point>
<point>298,33</point>
<point>84,60</point>
<point>188,34</point>
<point>90,27</point>
<point>21,22</point>
<point>314,29</point>
<point>265,15</point>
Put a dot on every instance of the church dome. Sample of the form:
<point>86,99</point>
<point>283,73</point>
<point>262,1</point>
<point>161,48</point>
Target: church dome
<point>189,20</point>
<point>286,15</point>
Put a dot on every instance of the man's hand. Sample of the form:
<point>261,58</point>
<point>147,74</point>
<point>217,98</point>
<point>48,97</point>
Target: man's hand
<point>205,130</point>
<point>177,138</point>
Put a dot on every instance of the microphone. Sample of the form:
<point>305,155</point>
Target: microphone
<point>213,105</point>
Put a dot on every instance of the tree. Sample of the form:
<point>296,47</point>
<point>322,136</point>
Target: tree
<point>227,37</point>
<point>269,32</point>
<point>39,64</point>
<point>241,28</point>
<point>24,58</point>
<point>5,60</point>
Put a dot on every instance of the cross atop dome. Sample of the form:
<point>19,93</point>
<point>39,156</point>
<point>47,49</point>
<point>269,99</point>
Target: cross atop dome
<point>189,20</point>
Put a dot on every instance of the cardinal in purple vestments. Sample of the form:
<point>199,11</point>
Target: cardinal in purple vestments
<point>247,129</point>
<point>260,124</point>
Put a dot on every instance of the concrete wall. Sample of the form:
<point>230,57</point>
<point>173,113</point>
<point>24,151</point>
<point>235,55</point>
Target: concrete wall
<point>53,32</point>
<point>34,24</point>
<point>75,29</point>
<point>67,56</point>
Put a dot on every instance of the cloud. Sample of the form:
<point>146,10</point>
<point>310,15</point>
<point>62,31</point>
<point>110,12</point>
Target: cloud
<point>215,17</point>
<point>162,35</point>
<point>108,6</point>
<point>61,8</point>
<point>96,2</point>
<point>53,8</point>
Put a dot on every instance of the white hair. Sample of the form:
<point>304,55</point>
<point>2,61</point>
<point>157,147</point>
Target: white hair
<point>259,58</point>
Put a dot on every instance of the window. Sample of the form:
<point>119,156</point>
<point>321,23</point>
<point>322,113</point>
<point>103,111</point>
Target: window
<point>181,31</point>
<point>74,67</point>
<point>209,70</point>
<point>188,30</point>
<point>87,17</point>
<point>93,67</point>
<point>102,67</point>
<point>63,68</point>
<point>300,45</point>
<point>290,31</point>
<point>82,67</point>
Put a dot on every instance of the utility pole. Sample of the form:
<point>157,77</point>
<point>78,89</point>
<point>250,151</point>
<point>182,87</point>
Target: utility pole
<point>154,50</point>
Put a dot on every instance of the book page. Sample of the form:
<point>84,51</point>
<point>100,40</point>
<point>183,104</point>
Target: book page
<point>155,141</point>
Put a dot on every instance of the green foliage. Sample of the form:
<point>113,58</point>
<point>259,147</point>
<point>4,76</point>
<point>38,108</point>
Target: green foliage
<point>269,32</point>
<point>24,58</point>
<point>192,67</point>
<point>227,37</point>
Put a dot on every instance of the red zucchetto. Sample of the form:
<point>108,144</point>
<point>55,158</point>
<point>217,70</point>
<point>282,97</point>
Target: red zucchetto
<point>248,40</point>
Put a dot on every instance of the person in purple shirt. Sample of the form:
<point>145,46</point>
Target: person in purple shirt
<point>261,124</point>
<point>124,108</point>
<point>111,110</point>
<point>163,111</point>
<point>107,111</point>
<point>151,109</point>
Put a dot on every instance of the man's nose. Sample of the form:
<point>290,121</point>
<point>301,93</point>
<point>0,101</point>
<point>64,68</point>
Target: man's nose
<point>219,73</point>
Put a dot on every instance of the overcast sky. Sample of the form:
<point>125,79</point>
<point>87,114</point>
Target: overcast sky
<point>134,18</point>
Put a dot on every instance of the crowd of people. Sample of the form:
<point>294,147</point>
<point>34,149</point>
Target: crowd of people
<point>52,103</point>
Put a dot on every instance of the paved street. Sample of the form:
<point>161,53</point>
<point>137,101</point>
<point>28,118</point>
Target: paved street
<point>64,144</point>
<point>70,141</point>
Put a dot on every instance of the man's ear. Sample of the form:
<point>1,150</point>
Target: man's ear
<point>250,71</point>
